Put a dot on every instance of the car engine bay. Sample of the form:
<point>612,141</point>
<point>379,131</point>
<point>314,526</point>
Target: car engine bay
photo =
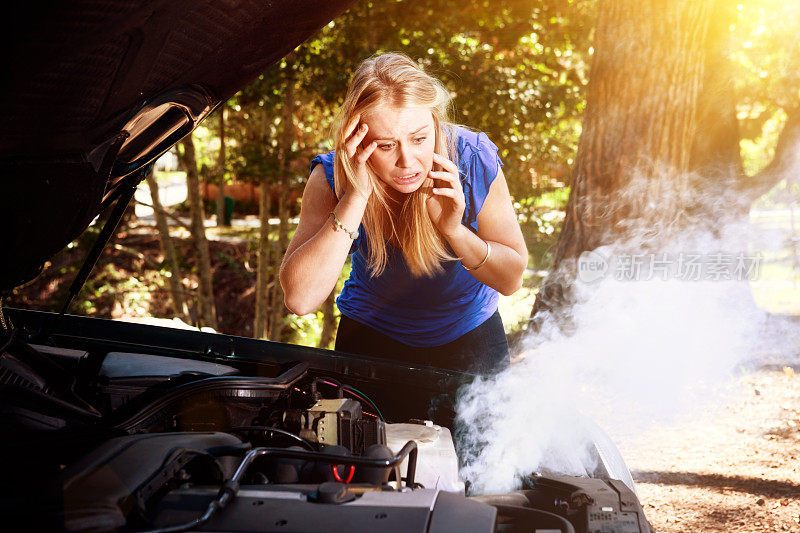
<point>125,441</point>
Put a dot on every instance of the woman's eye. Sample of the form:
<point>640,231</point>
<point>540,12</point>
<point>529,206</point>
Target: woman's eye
<point>386,146</point>
<point>420,140</point>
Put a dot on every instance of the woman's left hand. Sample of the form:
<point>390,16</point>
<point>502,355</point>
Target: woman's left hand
<point>446,202</point>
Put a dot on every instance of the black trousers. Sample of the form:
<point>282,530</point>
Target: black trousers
<point>483,350</point>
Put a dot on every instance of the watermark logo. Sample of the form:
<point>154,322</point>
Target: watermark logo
<point>684,266</point>
<point>592,266</point>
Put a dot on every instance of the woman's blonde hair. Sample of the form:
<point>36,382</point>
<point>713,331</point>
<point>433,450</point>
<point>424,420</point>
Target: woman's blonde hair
<point>394,79</point>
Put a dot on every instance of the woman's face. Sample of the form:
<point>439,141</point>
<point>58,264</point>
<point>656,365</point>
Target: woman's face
<point>405,138</point>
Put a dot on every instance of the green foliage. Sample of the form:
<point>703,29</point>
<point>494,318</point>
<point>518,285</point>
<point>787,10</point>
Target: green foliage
<point>757,151</point>
<point>517,71</point>
<point>206,142</point>
<point>765,56</point>
<point>306,329</point>
<point>765,73</point>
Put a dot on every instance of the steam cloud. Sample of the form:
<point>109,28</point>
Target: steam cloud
<point>626,352</point>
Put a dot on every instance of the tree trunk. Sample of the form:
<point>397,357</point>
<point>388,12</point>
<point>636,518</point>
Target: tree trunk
<point>285,150</point>
<point>328,334</point>
<point>633,165</point>
<point>222,216</point>
<point>278,308</point>
<point>261,327</point>
<point>715,153</point>
<point>168,251</point>
<point>208,313</point>
<point>783,164</point>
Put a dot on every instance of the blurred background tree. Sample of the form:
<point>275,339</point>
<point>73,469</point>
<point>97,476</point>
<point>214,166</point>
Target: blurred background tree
<point>518,70</point>
<point>661,134</point>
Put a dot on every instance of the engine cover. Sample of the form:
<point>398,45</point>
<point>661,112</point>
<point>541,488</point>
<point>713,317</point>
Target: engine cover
<point>284,509</point>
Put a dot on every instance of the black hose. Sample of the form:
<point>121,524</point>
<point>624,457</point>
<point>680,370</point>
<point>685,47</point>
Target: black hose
<point>230,488</point>
<point>212,508</point>
<point>299,439</point>
<point>336,384</point>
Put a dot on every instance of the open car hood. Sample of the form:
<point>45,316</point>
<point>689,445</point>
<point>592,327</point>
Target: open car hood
<point>99,89</point>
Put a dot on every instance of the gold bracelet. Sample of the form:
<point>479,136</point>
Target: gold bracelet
<point>338,226</point>
<point>488,253</point>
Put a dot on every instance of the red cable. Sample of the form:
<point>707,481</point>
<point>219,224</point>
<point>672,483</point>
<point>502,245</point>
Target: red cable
<point>337,477</point>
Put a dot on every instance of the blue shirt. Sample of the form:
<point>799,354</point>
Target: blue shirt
<point>424,311</point>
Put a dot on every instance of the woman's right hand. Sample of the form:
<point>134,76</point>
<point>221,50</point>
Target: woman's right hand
<point>354,136</point>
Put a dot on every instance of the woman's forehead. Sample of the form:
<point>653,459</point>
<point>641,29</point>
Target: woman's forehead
<point>390,122</point>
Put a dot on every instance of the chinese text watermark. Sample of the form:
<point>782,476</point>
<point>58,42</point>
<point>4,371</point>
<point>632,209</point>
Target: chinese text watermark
<point>683,266</point>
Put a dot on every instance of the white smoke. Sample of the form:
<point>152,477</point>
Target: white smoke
<point>632,349</point>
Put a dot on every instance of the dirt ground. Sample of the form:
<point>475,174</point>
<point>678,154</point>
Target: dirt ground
<point>736,469</point>
<point>233,266</point>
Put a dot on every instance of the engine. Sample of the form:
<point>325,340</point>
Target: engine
<point>164,444</point>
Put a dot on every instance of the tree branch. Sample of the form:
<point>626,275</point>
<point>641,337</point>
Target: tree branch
<point>155,291</point>
<point>167,214</point>
<point>782,161</point>
<point>135,253</point>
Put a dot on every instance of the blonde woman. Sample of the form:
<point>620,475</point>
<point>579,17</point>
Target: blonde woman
<point>424,209</point>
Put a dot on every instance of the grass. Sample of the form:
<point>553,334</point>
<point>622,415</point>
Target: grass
<point>776,288</point>
<point>777,297</point>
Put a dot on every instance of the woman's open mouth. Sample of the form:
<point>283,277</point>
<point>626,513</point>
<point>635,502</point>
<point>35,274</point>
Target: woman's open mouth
<point>408,178</point>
